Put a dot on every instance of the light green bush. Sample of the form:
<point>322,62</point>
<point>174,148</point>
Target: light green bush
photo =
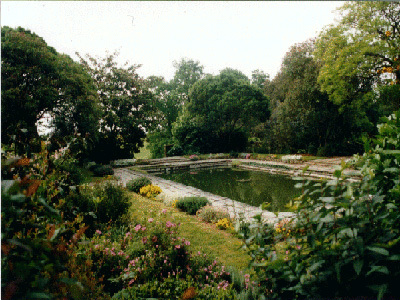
<point>212,214</point>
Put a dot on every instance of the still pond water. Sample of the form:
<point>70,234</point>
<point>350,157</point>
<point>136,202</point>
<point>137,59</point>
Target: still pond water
<point>246,186</point>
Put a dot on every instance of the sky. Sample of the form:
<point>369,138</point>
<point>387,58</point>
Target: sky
<point>241,35</point>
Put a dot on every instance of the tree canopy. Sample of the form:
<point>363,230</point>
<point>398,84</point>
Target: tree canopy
<point>127,107</point>
<point>303,118</point>
<point>37,80</point>
<point>221,108</point>
<point>361,51</point>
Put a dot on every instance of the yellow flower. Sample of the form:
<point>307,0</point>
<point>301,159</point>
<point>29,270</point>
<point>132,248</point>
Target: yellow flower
<point>388,33</point>
<point>224,224</point>
<point>150,191</point>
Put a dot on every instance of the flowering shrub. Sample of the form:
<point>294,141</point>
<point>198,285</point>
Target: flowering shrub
<point>284,227</point>
<point>173,203</point>
<point>212,214</point>
<point>224,224</point>
<point>150,251</point>
<point>150,191</point>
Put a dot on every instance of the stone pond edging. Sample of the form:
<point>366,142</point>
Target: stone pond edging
<point>171,190</point>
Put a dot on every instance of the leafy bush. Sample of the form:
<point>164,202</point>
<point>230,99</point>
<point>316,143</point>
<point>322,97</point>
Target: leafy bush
<point>345,241</point>
<point>113,204</point>
<point>100,203</point>
<point>102,170</point>
<point>136,184</point>
<point>211,214</point>
<point>39,236</point>
<point>191,204</point>
<point>150,191</point>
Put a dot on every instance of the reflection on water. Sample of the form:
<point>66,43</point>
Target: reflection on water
<point>246,186</point>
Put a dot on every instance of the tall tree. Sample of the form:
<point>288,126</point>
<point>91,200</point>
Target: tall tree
<point>223,107</point>
<point>303,118</point>
<point>259,79</point>
<point>127,107</point>
<point>170,98</point>
<point>36,80</point>
<point>187,73</point>
<point>361,52</point>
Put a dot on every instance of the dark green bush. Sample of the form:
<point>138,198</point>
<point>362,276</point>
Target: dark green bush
<point>113,205</point>
<point>191,204</point>
<point>100,204</point>
<point>135,185</point>
<point>102,170</point>
<point>345,241</point>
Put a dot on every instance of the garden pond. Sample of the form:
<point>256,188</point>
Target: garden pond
<point>250,187</point>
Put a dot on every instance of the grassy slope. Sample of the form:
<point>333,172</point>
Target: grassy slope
<point>202,236</point>
<point>144,153</point>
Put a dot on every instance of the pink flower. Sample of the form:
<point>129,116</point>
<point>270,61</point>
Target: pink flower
<point>164,211</point>
<point>98,231</point>
<point>96,246</point>
<point>178,246</point>
<point>150,220</point>
<point>137,227</point>
<point>187,243</point>
<point>169,224</point>
<point>143,228</point>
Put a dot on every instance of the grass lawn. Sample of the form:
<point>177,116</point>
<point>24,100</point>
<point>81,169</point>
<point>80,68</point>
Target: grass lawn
<point>144,153</point>
<point>202,236</point>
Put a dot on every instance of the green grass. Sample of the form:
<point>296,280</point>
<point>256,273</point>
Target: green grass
<point>203,237</point>
<point>144,152</point>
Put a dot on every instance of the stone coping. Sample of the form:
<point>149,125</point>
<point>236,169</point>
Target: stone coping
<point>173,190</point>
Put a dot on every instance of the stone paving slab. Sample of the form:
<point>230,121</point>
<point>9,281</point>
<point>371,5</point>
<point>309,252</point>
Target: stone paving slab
<point>174,190</point>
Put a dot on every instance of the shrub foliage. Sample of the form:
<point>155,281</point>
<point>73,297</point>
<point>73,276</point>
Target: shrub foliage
<point>345,239</point>
<point>135,185</point>
<point>191,204</point>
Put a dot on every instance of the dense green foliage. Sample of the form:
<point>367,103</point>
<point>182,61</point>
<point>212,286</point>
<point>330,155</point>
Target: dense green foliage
<point>37,82</point>
<point>191,204</point>
<point>170,99</point>
<point>135,185</point>
<point>359,49</point>
<point>102,170</point>
<point>127,108</point>
<point>344,240</point>
<point>303,119</point>
<point>220,111</point>
<point>40,232</point>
